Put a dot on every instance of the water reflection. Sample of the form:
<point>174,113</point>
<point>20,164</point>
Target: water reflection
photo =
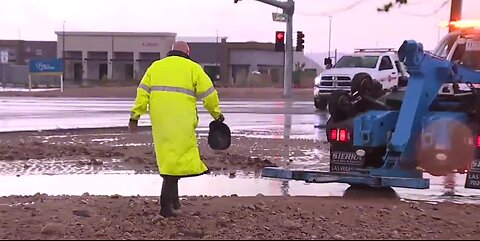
<point>321,119</point>
<point>128,184</point>
<point>66,113</point>
<point>287,126</point>
<point>285,188</point>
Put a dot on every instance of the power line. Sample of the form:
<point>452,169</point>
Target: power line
<point>414,3</point>
<point>353,5</point>
<point>437,10</point>
<point>325,14</point>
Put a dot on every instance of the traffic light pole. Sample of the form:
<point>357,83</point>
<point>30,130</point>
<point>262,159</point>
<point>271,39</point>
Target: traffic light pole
<point>288,8</point>
<point>288,68</point>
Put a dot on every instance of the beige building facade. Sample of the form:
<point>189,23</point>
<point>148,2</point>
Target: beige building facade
<point>93,58</point>
<point>103,56</point>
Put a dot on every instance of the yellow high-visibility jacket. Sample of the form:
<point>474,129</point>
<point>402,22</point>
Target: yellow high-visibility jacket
<point>169,91</point>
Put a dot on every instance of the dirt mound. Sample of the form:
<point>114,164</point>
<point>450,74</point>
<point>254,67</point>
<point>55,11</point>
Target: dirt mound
<point>219,162</point>
<point>40,150</point>
<point>137,158</point>
<point>229,162</point>
<point>114,150</point>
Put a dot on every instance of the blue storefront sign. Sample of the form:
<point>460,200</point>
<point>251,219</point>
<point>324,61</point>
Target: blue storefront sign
<point>46,66</point>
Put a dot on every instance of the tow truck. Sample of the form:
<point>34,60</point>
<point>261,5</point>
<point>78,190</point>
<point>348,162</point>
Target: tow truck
<point>430,126</point>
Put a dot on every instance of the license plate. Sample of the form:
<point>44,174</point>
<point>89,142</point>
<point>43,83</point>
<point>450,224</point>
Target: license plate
<point>344,168</point>
<point>345,161</point>
<point>346,158</point>
<point>473,177</point>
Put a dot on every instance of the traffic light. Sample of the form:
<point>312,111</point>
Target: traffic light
<point>280,41</point>
<point>300,41</point>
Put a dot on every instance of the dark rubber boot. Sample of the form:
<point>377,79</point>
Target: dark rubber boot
<point>166,207</point>
<point>167,199</point>
<point>176,200</point>
<point>176,203</point>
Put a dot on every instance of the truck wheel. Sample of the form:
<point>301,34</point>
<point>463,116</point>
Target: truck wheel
<point>339,105</point>
<point>362,190</point>
<point>403,81</point>
<point>362,82</point>
<point>366,86</point>
<point>321,103</point>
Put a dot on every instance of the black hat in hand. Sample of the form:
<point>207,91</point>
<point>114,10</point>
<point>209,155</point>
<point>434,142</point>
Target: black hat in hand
<point>219,135</point>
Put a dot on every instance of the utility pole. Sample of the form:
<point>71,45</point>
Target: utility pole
<point>336,57</point>
<point>217,58</point>
<point>63,50</point>
<point>455,13</point>
<point>288,9</point>
<point>329,35</point>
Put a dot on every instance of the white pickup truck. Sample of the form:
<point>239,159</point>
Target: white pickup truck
<point>381,64</point>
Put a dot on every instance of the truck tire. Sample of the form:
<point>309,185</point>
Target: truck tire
<point>403,81</point>
<point>339,105</point>
<point>321,103</point>
<point>366,86</point>
<point>361,82</point>
<point>363,190</point>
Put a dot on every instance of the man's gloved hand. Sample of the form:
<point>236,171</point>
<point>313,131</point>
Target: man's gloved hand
<point>221,118</point>
<point>132,126</point>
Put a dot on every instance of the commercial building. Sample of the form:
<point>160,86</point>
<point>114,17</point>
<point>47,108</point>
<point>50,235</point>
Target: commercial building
<point>206,52</point>
<point>21,51</point>
<point>118,57</point>
<point>99,57</point>
<point>15,56</point>
<point>243,63</point>
<point>257,64</point>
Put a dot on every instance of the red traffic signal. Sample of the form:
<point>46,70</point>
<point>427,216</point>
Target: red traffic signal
<point>280,36</point>
<point>280,41</point>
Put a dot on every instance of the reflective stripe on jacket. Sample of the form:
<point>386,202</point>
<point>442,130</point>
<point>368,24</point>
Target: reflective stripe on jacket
<point>169,91</point>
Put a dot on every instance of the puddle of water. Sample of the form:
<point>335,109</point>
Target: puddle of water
<point>17,204</point>
<point>312,159</point>
<point>305,132</point>
<point>132,144</point>
<point>13,89</point>
<point>129,184</point>
<point>105,140</point>
<point>55,136</point>
<point>58,166</point>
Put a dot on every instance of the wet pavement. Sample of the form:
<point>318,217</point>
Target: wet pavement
<point>279,120</point>
<point>19,89</point>
<point>64,176</point>
<point>259,118</point>
<point>129,184</point>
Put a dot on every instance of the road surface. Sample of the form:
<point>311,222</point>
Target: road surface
<point>268,119</point>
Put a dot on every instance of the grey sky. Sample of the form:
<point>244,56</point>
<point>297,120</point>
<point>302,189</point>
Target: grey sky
<point>361,26</point>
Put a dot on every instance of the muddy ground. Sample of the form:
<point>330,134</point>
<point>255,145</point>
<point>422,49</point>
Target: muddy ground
<point>119,150</point>
<point>99,217</point>
<point>130,92</point>
<point>356,215</point>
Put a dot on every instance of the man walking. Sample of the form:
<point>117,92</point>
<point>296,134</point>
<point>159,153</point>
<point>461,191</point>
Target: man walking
<point>169,91</point>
